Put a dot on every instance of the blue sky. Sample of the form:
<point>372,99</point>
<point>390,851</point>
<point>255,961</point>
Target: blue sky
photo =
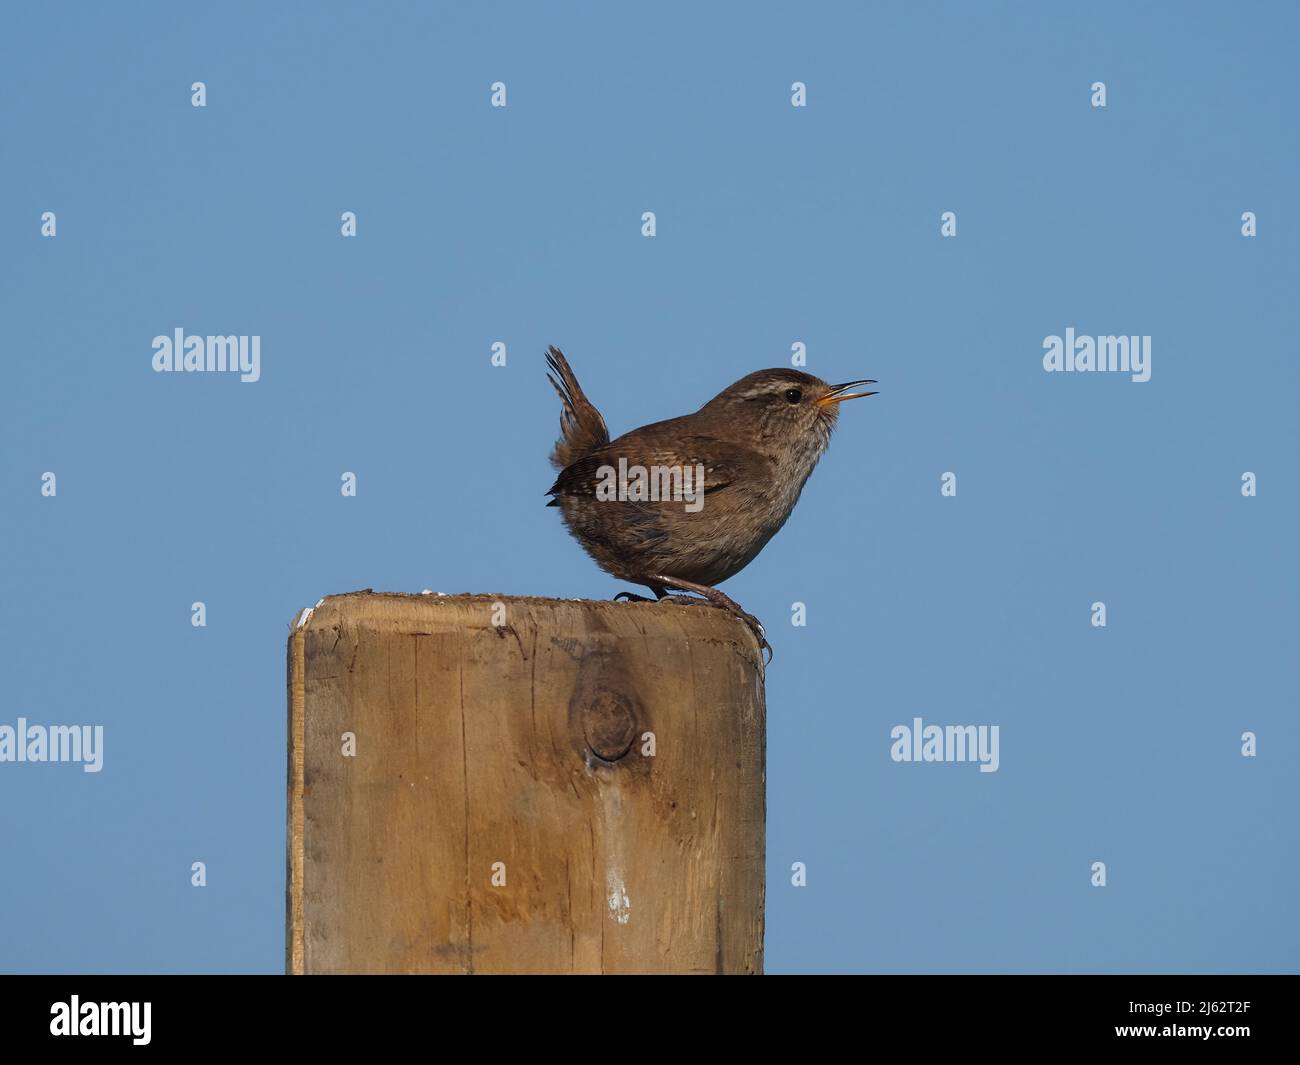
<point>774,225</point>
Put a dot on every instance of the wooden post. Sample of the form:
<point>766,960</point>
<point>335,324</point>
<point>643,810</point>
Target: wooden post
<point>511,785</point>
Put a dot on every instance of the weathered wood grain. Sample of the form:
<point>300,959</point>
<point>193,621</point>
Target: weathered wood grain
<point>524,744</point>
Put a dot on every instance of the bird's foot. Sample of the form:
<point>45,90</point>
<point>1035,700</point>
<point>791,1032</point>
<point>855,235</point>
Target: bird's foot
<point>725,602</point>
<point>632,597</point>
<point>683,600</point>
<point>755,626</point>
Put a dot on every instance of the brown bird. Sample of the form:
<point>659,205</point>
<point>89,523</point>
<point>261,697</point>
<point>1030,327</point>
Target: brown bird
<point>713,486</point>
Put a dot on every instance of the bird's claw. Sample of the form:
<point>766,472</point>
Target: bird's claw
<point>755,626</point>
<point>683,600</point>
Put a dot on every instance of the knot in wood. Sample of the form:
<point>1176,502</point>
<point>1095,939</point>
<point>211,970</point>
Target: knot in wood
<point>609,724</point>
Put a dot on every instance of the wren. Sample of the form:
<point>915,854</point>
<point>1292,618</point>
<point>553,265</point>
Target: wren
<point>707,490</point>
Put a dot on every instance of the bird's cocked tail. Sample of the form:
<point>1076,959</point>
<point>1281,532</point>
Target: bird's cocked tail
<point>582,429</point>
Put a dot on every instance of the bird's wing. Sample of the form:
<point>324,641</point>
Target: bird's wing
<point>664,444</point>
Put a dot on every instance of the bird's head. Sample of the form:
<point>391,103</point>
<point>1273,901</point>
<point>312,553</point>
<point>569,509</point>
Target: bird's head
<point>780,410</point>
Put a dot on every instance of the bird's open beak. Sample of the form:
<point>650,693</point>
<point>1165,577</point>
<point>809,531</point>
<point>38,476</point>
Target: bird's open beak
<point>838,393</point>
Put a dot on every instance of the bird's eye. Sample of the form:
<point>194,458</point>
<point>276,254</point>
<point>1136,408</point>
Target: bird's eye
<point>793,395</point>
